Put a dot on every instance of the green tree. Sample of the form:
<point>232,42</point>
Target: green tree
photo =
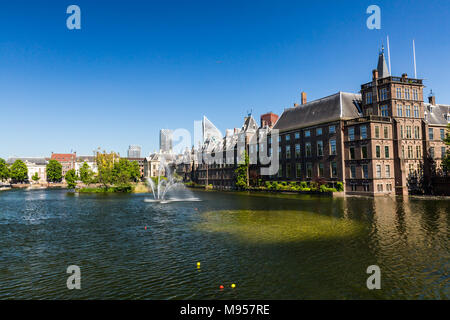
<point>241,173</point>
<point>105,163</point>
<point>86,174</point>
<point>71,178</point>
<point>35,177</point>
<point>19,171</point>
<point>4,170</point>
<point>54,171</point>
<point>125,172</point>
<point>446,160</point>
<point>135,171</point>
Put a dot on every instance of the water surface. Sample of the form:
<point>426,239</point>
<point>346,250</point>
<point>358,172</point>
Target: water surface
<point>270,246</point>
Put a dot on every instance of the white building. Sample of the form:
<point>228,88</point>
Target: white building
<point>90,160</point>
<point>34,165</point>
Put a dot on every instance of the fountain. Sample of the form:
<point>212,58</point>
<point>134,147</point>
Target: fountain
<point>163,185</point>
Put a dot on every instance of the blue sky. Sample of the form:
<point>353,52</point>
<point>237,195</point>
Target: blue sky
<point>138,66</point>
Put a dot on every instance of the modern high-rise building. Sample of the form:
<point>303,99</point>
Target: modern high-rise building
<point>134,151</point>
<point>165,140</point>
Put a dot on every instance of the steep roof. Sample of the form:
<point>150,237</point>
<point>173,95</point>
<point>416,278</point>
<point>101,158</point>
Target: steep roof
<point>438,114</point>
<point>383,71</point>
<point>36,161</point>
<point>341,105</point>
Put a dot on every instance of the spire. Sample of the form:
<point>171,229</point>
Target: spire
<point>382,67</point>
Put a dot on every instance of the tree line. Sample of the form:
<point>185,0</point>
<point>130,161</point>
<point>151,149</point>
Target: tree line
<point>112,171</point>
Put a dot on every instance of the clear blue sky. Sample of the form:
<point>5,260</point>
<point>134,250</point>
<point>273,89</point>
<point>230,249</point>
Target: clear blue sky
<point>138,66</point>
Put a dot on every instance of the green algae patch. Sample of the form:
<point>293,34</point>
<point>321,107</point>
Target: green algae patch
<point>277,226</point>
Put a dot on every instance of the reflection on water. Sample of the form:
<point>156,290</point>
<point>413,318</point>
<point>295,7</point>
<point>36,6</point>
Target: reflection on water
<point>263,226</point>
<point>271,246</point>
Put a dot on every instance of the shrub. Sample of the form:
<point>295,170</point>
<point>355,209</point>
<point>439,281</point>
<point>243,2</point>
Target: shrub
<point>339,186</point>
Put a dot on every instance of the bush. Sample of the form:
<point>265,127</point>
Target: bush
<point>324,188</point>
<point>339,186</point>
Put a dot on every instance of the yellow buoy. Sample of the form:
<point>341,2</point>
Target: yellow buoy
<point>198,264</point>
<point>233,285</point>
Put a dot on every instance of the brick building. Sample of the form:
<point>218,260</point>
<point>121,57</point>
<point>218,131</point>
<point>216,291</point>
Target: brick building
<point>67,160</point>
<point>373,141</point>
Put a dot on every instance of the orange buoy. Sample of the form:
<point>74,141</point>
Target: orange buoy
<point>221,287</point>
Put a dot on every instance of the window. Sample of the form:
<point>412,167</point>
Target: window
<point>270,151</point>
<point>269,140</point>
<point>352,153</point>
<point>411,168</point>
<point>387,171</point>
<point>366,187</point>
<point>363,130</point>
<point>279,138</point>
<point>399,93</point>
<point>377,131</point>
<point>442,132</point>
<point>333,169</point>
<point>332,147</point>
<point>364,152</point>
<point>443,152</point>
<point>418,152</point>
<point>386,152</point>
<point>288,137</point>
<point>399,110</point>
<point>416,111</point>
<point>320,169</point>
<point>410,152</point>
<point>280,172</point>
<point>308,149</point>
<point>416,132</point>
<point>401,132</point>
<point>386,132</point>
<point>384,111</point>
<point>378,171</point>
<point>407,96</point>
<point>430,134</point>
<point>351,133</point>
<point>288,171</point>
<point>318,131</point>
<point>297,135</point>
<point>307,133</point>
<point>383,94</point>
<point>352,172</point>
<point>332,129</point>
<point>288,152</point>
<point>309,170</point>
<point>298,170</point>
<point>365,169</point>
<point>403,152</point>
<point>297,150</point>
<point>408,111</point>
<point>319,148</point>
<point>415,95</point>
<point>432,152</point>
<point>380,187</point>
<point>378,151</point>
<point>408,132</point>
<point>368,97</point>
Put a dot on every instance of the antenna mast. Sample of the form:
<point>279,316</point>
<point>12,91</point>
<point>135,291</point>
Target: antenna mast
<point>414,53</point>
<point>389,56</point>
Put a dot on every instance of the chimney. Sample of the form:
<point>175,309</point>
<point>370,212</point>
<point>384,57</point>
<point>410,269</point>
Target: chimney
<point>303,97</point>
<point>375,74</point>
<point>405,76</point>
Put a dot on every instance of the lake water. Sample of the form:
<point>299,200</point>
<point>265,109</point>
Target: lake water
<point>271,246</point>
